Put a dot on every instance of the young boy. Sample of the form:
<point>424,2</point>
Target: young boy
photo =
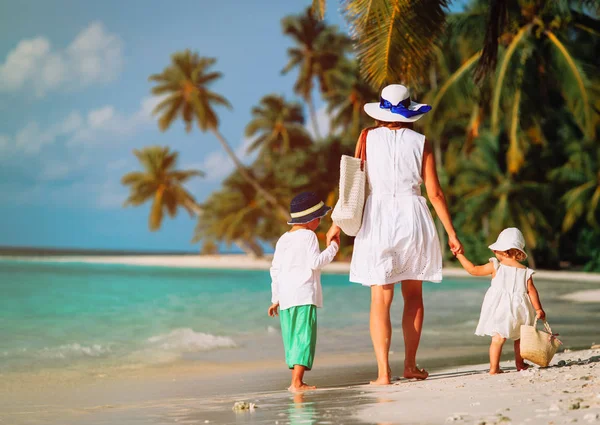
<point>296,284</point>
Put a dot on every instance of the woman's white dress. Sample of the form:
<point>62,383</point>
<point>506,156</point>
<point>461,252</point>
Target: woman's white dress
<point>398,240</point>
<point>506,305</point>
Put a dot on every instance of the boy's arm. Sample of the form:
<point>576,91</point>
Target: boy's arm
<point>535,299</point>
<point>485,270</point>
<point>275,267</point>
<point>318,259</point>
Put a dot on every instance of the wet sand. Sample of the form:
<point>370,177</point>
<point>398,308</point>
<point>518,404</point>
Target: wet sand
<point>461,395</point>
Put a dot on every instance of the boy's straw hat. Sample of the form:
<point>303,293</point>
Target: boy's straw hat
<point>395,105</point>
<point>306,207</point>
<point>510,238</point>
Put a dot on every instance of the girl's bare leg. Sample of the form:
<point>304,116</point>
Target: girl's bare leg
<point>381,330</point>
<point>495,352</point>
<point>519,362</point>
<point>412,325</point>
<point>298,380</point>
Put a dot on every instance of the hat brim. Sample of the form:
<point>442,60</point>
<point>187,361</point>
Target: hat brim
<point>497,246</point>
<point>374,111</point>
<point>320,213</point>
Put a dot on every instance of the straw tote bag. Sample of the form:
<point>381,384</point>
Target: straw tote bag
<point>348,211</point>
<point>538,346</point>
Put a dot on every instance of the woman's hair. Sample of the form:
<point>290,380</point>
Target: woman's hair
<point>390,124</point>
<point>514,253</point>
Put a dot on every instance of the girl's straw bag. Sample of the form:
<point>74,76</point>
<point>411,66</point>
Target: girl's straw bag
<point>538,346</point>
<point>348,211</point>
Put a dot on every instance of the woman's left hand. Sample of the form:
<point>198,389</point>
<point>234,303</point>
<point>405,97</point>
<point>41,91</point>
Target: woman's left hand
<point>333,233</point>
<point>455,245</point>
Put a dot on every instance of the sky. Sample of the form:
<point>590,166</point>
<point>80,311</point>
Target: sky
<point>75,101</point>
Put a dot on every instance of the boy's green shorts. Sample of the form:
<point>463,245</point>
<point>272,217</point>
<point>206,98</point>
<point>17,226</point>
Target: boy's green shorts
<point>299,332</point>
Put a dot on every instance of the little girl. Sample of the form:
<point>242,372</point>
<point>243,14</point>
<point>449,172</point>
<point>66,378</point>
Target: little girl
<point>512,299</point>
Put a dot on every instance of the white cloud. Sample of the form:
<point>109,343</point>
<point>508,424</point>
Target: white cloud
<point>218,165</point>
<point>4,143</point>
<point>117,164</point>
<point>323,122</point>
<point>99,117</point>
<point>94,56</point>
<point>101,124</point>
<point>54,170</point>
<point>31,139</point>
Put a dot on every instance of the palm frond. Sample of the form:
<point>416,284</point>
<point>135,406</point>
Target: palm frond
<point>395,40</point>
<point>318,8</point>
<point>457,75</point>
<point>514,156</point>
<point>580,79</point>
<point>495,112</point>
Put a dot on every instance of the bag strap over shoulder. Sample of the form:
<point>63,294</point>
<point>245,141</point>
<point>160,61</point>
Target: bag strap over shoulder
<point>361,147</point>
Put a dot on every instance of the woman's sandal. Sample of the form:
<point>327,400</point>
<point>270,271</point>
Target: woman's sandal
<point>416,373</point>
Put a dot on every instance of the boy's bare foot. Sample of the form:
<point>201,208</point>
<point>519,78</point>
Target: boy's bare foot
<point>301,387</point>
<point>523,366</point>
<point>416,373</point>
<point>383,380</point>
<point>496,371</point>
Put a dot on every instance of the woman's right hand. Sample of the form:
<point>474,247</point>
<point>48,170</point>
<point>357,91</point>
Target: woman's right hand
<point>455,245</point>
<point>333,233</point>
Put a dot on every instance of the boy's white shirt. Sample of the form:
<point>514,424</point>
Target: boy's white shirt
<point>296,269</point>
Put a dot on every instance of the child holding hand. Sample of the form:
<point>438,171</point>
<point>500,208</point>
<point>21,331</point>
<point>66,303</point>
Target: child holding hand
<point>296,284</point>
<point>512,299</point>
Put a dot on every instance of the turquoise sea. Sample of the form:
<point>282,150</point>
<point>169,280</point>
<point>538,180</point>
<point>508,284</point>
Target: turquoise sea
<point>87,317</point>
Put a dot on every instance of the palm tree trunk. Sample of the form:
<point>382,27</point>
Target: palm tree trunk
<point>437,153</point>
<point>313,117</point>
<point>244,172</point>
<point>249,247</point>
<point>194,207</point>
<point>531,260</point>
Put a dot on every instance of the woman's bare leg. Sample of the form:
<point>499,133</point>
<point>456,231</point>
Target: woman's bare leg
<point>381,330</point>
<point>412,324</point>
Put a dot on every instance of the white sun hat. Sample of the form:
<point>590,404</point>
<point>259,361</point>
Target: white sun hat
<point>395,105</point>
<point>510,238</point>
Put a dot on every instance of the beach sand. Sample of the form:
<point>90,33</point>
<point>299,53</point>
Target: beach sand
<point>463,395</point>
<point>245,262</point>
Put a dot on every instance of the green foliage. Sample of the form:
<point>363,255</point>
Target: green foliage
<point>160,182</point>
<point>516,149</point>
<point>185,84</point>
<point>277,126</point>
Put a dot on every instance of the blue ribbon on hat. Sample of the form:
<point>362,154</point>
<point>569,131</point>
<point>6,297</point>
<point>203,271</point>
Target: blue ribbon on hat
<point>403,110</point>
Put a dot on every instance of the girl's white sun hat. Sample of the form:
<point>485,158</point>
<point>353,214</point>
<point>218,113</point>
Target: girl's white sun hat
<point>510,238</point>
<point>395,105</point>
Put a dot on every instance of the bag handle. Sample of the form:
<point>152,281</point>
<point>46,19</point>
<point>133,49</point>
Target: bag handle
<point>546,326</point>
<point>361,148</point>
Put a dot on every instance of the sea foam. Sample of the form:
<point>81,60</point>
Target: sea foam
<point>74,350</point>
<point>187,340</point>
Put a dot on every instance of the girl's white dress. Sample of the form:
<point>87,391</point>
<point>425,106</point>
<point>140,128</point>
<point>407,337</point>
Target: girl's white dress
<point>398,240</point>
<point>506,305</point>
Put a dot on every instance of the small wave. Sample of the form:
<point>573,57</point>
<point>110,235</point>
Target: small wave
<point>186,340</point>
<point>73,350</point>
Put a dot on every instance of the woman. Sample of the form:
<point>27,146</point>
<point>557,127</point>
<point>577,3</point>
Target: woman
<point>398,241</point>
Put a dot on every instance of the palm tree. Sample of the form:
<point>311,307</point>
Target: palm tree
<point>395,38</point>
<point>537,64</point>
<point>581,171</point>
<point>316,54</point>
<point>493,199</point>
<point>346,99</point>
<point>185,82</point>
<point>277,126</point>
<point>235,215</point>
<point>162,183</point>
